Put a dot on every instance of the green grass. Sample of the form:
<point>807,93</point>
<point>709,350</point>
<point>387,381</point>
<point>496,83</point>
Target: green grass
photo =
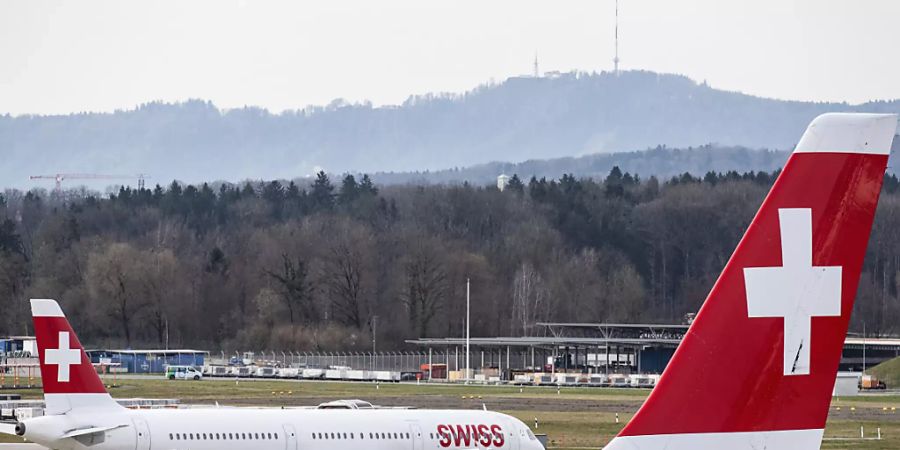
<point>571,430</point>
<point>888,371</point>
<point>157,387</point>
<point>837,431</point>
<point>574,429</point>
<point>566,429</point>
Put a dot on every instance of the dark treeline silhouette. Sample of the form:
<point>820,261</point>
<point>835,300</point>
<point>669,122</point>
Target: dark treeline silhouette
<point>662,161</point>
<point>274,265</point>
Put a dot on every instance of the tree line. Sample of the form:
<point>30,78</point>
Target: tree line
<point>315,264</point>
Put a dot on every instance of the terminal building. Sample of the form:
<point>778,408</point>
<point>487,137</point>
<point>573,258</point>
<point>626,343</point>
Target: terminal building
<point>146,361</point>
<point>18,346</point>
<point>605,348</point>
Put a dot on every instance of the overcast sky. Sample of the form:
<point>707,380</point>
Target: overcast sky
<point>59,57</point>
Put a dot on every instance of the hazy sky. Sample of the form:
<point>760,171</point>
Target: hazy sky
<point>58,57</point>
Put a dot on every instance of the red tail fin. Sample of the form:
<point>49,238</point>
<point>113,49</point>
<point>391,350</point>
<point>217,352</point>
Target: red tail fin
<point>69,379</point>
<point>758,365</point>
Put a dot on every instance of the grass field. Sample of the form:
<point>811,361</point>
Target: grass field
<point>571,417</point>
<point>888,371</point>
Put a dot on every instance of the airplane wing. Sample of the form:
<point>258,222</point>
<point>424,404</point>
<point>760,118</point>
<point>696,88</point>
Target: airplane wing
<point>7,428</point>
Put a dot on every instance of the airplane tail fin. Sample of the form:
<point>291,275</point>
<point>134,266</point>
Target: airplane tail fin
<point>70,381</point>
<point>757,367</point>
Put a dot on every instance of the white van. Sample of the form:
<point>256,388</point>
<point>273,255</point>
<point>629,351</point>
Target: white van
<point>183,373</point>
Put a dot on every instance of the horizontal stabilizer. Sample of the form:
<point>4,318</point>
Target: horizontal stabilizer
<point>7,428</point>
<point>86,431</point>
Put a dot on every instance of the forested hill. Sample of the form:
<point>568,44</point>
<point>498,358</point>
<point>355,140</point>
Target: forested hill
<point>283,266</point>
<point>517,120</point>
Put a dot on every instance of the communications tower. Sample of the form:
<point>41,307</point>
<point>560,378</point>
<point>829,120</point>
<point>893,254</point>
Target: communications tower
<point>616,58</point>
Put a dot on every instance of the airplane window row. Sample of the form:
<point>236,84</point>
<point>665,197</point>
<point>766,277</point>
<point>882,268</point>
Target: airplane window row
<point>372,436</point>
<point>222,436</point>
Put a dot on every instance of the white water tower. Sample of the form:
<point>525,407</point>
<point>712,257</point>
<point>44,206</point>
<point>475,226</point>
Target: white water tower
<point>502,181</point>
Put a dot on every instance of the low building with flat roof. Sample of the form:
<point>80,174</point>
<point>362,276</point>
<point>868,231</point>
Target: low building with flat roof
<point>147,361</point>
<point>608,348</point>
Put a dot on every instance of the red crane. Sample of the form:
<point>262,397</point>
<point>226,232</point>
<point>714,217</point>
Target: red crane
<point>60,177</point>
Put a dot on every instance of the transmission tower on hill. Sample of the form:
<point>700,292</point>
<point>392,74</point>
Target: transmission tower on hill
<point>616,58</point>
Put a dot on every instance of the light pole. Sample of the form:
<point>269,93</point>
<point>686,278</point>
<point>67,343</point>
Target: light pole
<point>468,284</point>
<point>374,334</point>
<point>864,348</point>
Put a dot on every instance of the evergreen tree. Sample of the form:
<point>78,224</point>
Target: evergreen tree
<point>190,194</point>
<point>292,193</point>
<point>229,194</point>
<point>367,187</point>
<point>273,192</point>
<point>171,200</point>
<point>123,196</point>
<point>515,185</point>
<point>322,195</point>
<point>248,191</point>
<point>206,199</point>
<point>157,194</point>
<point>349,191</point>
<point>615,183</point>
<point>174,190</point>
<point>537,189</point>
<point>570,184</point>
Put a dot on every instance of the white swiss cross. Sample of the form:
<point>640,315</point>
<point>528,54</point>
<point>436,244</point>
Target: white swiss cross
<point>797,291</point>
<point>63,357</point>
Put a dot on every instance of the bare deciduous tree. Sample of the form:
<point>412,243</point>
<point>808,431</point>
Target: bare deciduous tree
<point>113,276</point>
<point>346,272</point>
<point>426,285</point>
<point>530,298</point>
<point>295,289</point>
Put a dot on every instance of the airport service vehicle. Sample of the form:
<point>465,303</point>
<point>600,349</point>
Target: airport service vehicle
<point>871,382</point>
<point>755,370</point>
<point>183,373</point>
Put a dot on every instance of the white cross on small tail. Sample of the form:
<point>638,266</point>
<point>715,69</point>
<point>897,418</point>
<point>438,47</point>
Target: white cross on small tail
<point>797,291</point>
<point>64,357</point>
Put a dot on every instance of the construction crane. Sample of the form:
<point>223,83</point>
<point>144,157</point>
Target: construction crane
<point>60,177</point>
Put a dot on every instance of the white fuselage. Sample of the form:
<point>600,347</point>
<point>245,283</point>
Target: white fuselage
<point>285,429</point>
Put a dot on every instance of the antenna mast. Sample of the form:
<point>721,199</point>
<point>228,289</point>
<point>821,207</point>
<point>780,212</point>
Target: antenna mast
<point>616,59</point>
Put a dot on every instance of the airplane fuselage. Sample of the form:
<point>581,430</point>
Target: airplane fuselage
<point>286,429</point>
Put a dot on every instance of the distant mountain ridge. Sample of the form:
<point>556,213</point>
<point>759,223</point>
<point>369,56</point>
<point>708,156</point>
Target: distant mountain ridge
<point>661,162</point>
<point>519,119</point>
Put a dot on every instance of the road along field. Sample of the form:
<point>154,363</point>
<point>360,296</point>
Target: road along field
<point>571,417</point>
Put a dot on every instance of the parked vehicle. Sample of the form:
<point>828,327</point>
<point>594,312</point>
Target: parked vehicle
<point>289,372</point>
<point>266,372</point>
<point>242,371</point>
<point>312,373</point>
<point>870,382</point>
<point>216,371</point>
<point>183,373</point>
